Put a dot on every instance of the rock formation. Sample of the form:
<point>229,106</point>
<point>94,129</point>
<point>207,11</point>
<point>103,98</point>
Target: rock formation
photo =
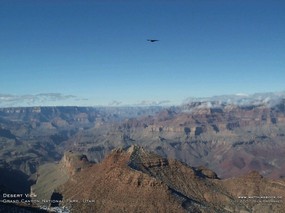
<point>135,180</point>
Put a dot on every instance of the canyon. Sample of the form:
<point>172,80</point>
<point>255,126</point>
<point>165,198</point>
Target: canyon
<point>228,143</point>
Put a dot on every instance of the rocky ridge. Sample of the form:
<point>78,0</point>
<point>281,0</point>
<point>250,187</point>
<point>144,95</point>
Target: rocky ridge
<point>135,180</point>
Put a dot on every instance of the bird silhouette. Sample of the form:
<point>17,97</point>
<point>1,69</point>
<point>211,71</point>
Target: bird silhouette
<point>152,40</point>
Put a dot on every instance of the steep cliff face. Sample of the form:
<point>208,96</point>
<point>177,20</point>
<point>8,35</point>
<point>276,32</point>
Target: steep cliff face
<point>113,185</point>
<point>209,120</point>
<point>229,139</point>
<point>134,180</point>
<point>50,176</point>
<point>74,162</point>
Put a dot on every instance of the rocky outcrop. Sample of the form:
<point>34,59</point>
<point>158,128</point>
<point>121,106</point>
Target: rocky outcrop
<point>113,185</point>
<point>74,162</point>
<point>134,180</point>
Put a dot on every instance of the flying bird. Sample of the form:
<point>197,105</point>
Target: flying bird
<point>152,40</point>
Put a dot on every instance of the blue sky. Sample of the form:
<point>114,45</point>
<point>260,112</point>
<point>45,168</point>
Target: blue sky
<point>95,52</point>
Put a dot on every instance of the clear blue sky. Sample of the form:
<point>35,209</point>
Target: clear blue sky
<point>96,53</point>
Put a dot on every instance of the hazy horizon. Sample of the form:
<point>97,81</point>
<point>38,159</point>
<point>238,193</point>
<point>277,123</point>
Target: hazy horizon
<point>55,99</point>
<point>96,53</point>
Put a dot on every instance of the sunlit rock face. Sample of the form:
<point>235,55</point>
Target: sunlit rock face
<point>133,179</point>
